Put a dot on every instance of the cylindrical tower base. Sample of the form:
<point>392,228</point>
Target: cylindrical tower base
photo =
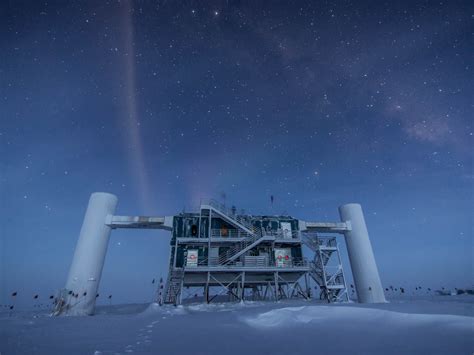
<point>86,269</point>
<point>364,269</point>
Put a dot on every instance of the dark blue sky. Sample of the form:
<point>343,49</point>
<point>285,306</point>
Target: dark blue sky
<point>165,102</point>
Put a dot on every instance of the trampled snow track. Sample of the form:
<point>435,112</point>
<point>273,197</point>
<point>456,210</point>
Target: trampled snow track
<point>441,325</point>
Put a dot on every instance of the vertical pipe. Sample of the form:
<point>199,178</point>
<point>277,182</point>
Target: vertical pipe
<point>89,256</point>
<point>207,286</point>
<point>343,277</point>
<point>277,298</point>
<point>242,296</point>
<point>308,293</point>
<point>364,269</point>
<point>210,224</point>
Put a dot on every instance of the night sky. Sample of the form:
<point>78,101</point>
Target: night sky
<point>166,102</point>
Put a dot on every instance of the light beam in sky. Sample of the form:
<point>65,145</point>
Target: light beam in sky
<point>134,140</point>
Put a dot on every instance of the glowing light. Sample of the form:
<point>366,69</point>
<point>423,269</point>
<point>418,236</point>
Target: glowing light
<point>135,144</point>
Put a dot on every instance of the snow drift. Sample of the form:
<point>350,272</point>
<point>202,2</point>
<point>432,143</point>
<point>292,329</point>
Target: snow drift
<point>254,328</point>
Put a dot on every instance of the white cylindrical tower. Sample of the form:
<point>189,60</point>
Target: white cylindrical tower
<point>364,269</point>
<point>89,256</point>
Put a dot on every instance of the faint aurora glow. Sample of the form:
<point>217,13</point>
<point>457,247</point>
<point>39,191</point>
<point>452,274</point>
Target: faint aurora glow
<point>134,142</point>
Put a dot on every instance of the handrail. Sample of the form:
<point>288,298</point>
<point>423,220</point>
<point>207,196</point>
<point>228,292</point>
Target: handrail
<point>230,213</point>
<point>229,233</point>
<point>279,234</point>
<point>238,247</point>
<point>310,239</point>
<point>292,262</point>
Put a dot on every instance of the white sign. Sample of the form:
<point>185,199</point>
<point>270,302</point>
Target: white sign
<point>282,257</point>
<point>192,258</point>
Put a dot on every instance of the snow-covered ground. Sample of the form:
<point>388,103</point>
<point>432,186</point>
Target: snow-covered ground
<point>431,325</point>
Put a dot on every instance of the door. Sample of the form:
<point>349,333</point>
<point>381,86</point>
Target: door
<point>286,230</point>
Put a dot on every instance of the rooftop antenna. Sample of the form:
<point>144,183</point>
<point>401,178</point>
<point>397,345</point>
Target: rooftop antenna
<point>223,197</point>
<point>153,290</point>
<point>13,305</point>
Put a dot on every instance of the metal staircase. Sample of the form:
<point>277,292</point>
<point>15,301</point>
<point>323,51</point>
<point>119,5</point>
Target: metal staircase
<point>253,235</point>
<point>173,286</point>
<point>326,268</point>
<point>230,215</point>
<point>241,248</point>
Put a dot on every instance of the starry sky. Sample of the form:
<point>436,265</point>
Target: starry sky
<point>166,102</point>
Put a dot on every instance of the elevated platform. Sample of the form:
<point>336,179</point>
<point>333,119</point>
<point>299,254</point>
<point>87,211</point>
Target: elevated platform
<point>253,276</point>
<point>227,247</point>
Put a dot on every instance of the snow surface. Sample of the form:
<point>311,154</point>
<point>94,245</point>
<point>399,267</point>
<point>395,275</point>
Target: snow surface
<point>436,325</point>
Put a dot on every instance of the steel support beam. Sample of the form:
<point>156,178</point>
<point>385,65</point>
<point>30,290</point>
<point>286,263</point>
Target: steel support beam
<point>140,222</point>
<point>325,227</point>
